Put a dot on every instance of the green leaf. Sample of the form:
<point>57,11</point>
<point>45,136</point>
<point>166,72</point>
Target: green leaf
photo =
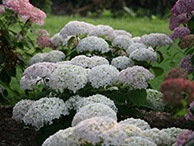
<point>138,96</point>
<point>191,25</point>
<point>1,56</point>
<point>12,72</point>
<point>158,71</point>
<point>4,76</point>
<point>69,44</point>
<point>118,97</point>
<point>161,58</point>
<point>148,105</point>
<point>41,94</point>
<point>192,59</point>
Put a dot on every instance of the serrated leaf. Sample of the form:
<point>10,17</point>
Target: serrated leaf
<point>138,96</point>
<point>158,71</point>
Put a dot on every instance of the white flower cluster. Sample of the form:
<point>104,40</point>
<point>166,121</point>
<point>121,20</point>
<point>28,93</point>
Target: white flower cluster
<point>29,84</point>
<point>44,110</point>
<point>136,77</point>
<point>88,62</point>
<point>100,131</point>
<point>103,75</point>
<point>101,30</point>
<point>64,137</point>
<point>118,32</point>
<point>93,43</point>
<point>155,98</point>
<point>136,39</point>
<point>93,110</point>
<point>157,136</point>
<point>131,130</point>
<point>97,98</point>
<point>71,77</point>
<point>143,55</point>
<point>122,41</point>
<point>76,28</point>
<point>138,141</point>
<point>122,62</point>
<point>52,56</point>
<point>20,109</point>
<point>143,125</point>
<point>135,46</point>
<point>156,39</point>
<point>173,133</point>
<point>72,102</point>
<point>57,40</point>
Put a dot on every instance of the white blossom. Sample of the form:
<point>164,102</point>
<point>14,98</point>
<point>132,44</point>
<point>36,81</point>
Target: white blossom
<point>122,62</point>
<point>29,83</point>
<point>135,46</point>
<point>83,61</point>
<point>122,41</point>
<point>72,102</point>
<point>54,56</point>
<point>57,40</point>
<point>93,110</point>
<point>118,32</point>
<point>136,39</point>
<point>39,57</point>
<point>138,141</point>
<point>99,60</point>
<point>101,30</point>
<point>131,130</point>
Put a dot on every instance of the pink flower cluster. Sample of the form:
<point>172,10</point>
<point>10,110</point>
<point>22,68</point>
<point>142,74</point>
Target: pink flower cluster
<point>44,42</point>
<point>187,41</point>
<point>183,6</point>
<point>184,137</point>
<point>177,73</point>
<point>187,64</point>
<point>189,115</point>
<point>172,90</point>
<point>43,32</point>
<point>26,11</point>
<point>180,32</point>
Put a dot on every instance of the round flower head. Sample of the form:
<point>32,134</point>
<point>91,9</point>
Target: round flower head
<point>93,43</point>
<point>177,73</point>
<point>184,137</point>
<point>173,133</point>
<point>72,102</point>
<point>57,40</point>
<point>37,16</point>
<point>99,60</point>
<point>97,98</point>
<point>156,39</point>
<point>135,46</point>
<point>157,136</point>
<point>182,6</point>
<point>64,137</point>
<point>100,130</point>
<point>136,77</point>
<point>103,75</point>
<point>131,130</point>
<point>44,110</point>
<point>122,62</point>
<point>21,108</point>
<point>180,32</point>
<point>143,55</point>
<point>29,83</point>
<point>187,41</point>
<point>186,64</point>
<point>54,56</point>
<point>122,41</point>
<point>71,77</point>
<point>118,32</point>
<point>42,69</point>
<point>190,116</point>
<point>156,99</point>
<point>43,32</point>
<point>39,57</point>
<point>176,20</point>
<point>83,61</point>
<point>136,39</point>
<point>143,125</point>
<point>43,42</point>
<point>138,141</point>
<point>101,30</point>
<point>93,110</point>
<point>76,28</point>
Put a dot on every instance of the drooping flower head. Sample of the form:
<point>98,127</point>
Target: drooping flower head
<point>180,32</point>
<point>182,6</point>
<point>187,64</point>
<point>100,130</point>
<point>177,73</point>
<point>136,77</point>
<point>184,137</point>
<point>122,41</point>
<point>190,115</point>
<point>187,41</point>
<point>122,62</point>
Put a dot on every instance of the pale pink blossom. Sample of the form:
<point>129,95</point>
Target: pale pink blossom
<point>43,32</point>
<point>43,42</point>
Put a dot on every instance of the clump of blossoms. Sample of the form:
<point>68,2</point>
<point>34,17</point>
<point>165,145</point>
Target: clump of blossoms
<point>118,32</point>
<point>93,43</point>
<point>187,64</point>
<point>43,41</point>
<point>57,40</point>
<point>136,77</point>
<point>20,109</point>
<point>122,62</point>
<point>44,110</point>
<point>184,137</point>
<point>29,83</point>
<point>93,110</point>
<point>156,99</point>
<point>76,28</point>
<point>156,39</point>
<point>43,32</point>
<point>70,77</point>
<point>131,130</point>
<point>136,39</point>
<point>54,56</point>
<point>135,46</point>
<point>190,116</point>
<point>173,133</point>
<point>187,41</point>
<point>177,73</point>
<point>172,90</point>
<point>103,75</point>
<point>180,32</point>
<point>71,103</point>
<point>143,125</point>
<point>64,137</point>
<point>157,136</point>
<point>97,98</point>
<point>140,141</point>
<point>39,57</point>
<point>100,130</point>
<point>101,30</point>
<point>122,41</point>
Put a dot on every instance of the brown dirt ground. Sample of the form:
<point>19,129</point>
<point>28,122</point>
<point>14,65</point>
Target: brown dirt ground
<point>14,134</point>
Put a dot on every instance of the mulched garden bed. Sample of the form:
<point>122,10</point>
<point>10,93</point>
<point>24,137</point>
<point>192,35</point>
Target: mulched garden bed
<point>13,133</point>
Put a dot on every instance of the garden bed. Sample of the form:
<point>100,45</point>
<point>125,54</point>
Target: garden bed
<point>14,134</point>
